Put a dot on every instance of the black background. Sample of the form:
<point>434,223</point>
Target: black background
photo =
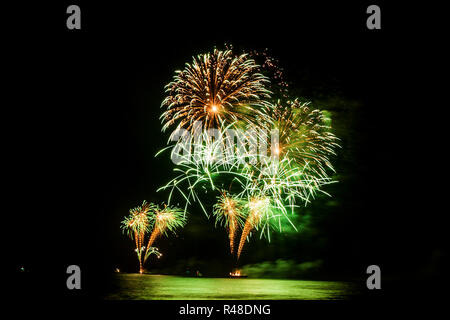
<point>81,125</point>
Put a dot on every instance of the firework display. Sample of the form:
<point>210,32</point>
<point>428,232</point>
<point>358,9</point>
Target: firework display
<point>214,88</point>
<point>223,151</point>
<point>150,218</point>
<point>271,152</point>
<point>302,136</point>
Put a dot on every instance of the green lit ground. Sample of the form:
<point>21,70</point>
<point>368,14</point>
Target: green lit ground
<point>159,287</point>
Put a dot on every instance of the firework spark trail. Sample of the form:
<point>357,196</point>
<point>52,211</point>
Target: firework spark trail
<point>231,234</point>
<point>258,212</point>
<point>245,232</point>
<point>215,88</point>
<point>228,213</point>
<point>153,236</point>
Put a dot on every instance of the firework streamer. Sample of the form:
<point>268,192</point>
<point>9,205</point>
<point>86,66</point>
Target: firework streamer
<point>228,212</point>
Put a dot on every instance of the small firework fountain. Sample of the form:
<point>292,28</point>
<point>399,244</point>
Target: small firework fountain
<point>151,218</point>
<point>228,213</point>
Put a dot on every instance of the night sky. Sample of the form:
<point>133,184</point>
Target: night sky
<point>82,128</point>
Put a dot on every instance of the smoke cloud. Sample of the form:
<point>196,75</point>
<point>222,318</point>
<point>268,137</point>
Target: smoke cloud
<point>282,269</point>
